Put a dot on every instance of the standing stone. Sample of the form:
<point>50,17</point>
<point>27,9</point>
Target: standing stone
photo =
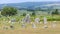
<point>45,20</point>
<point>12,21</point>
<point>23,25</point>
<point>37,20</point>
<point>23,20</point>
<point>26,19</point>
<point>45,26</point>
<point>54,24</point>
<point>33,25</point>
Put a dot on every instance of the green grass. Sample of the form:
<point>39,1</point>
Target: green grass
<point>19,18</point>
<point>29,30</point>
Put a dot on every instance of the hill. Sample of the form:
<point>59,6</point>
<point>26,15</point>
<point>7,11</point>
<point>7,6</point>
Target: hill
<point>33,5</point>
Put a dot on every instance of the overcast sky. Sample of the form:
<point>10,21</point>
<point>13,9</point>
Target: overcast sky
<point>19,1</point>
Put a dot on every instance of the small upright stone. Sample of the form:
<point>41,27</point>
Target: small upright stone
<point>37,20</point>
<point>23,25</point>
<point>45,20</point>
<point>54,24</point>
<point>45,23</point>
<point>45,26</point>
<point>33,25</point>
<point>12,21</point>
<point>26,19</point>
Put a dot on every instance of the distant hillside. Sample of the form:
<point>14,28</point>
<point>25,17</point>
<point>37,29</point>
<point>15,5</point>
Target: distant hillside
<point>33,5</point>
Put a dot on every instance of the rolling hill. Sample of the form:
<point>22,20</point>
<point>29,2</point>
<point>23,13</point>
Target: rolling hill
<point>33,5</point>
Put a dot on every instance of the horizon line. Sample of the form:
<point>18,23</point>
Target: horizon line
<point>34,1</point>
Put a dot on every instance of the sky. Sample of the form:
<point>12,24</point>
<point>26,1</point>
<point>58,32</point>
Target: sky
<point>20,1</point>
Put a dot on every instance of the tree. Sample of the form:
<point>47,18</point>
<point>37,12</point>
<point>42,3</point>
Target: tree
<point>38,9</point>
<point>33,13</point>
<point>55,12</point>
<point>8,11</point>
<point>24,14</point>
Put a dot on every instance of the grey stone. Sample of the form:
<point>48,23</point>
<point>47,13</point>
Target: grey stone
<point>45,26</point>
<point>23,25</point>
<point>13,20</point>
<point>45,20</point>
<point>33,25</point>
<point>54,24</point>
<point>37,20</point>
<point>26,19</point>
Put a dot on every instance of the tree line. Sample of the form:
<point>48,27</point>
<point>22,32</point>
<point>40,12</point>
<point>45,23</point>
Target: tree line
<point>10,11</point>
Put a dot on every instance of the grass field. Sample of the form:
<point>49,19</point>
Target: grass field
<point>29,30</point>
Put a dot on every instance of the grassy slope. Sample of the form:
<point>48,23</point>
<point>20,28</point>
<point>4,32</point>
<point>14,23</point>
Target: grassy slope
<point>30,30</point>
